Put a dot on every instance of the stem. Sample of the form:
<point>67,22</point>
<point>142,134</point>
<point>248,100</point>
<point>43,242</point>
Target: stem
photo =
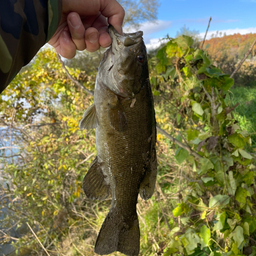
<point>190,151</point>
<point>71,78</point>
<point>206,32</point>
<point>38,239</point>
<point>243,60</point>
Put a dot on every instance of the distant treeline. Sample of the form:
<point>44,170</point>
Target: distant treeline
<point>231,46</point>
<point>227,50</point>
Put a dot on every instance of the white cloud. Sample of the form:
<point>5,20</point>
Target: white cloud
<point>241,31</point>
<point>155,42</point>
<point>150,27</point>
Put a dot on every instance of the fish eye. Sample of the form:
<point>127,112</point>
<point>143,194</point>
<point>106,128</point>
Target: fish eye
<point>140,58</point>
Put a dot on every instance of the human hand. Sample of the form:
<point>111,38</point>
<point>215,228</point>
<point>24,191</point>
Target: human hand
<point>84,25</point>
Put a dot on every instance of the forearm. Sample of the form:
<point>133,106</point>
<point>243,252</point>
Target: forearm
<point>24,28</point>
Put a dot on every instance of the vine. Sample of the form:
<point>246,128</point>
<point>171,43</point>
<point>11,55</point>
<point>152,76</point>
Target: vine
<point>216,213</point>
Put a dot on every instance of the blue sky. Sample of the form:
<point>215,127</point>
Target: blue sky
<point>237,16</point>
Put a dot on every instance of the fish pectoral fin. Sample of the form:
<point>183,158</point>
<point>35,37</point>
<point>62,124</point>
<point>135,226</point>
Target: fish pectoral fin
<point>117,117</point>
<point>147,185</point>
<point>89,120</point>
<point>94,183</point>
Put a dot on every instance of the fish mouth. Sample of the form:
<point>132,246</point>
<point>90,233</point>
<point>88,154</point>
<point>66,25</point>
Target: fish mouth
<point>127,39</point>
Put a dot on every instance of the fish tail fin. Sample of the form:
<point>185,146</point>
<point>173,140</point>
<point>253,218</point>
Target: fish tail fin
<point>119,234</point>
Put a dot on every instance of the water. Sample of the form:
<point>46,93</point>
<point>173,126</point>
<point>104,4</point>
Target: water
<point>7,149</point>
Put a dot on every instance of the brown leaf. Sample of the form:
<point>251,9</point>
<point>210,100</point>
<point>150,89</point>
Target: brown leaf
<point>212,143</point>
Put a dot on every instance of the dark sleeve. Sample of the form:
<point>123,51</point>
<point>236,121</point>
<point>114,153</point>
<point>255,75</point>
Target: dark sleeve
<point>25,26</point>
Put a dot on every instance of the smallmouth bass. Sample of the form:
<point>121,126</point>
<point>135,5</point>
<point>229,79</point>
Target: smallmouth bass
<point>124,118</point>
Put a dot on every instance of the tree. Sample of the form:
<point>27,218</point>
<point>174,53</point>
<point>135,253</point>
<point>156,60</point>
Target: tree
<point>138,11</point>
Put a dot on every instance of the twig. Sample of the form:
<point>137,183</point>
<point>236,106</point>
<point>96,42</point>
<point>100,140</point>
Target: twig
<point>71,78</point>
<point>206,32</point>
<point>243,60</point>
<point>190,151</point>
<point>37,239</point>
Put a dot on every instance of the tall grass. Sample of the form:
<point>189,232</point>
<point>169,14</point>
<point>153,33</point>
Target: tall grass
<point>245,112</point>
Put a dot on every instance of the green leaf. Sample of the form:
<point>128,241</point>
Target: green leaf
<point>241,195</point>
<point>181,155</point>
<point>244,154</point>
<point>205,233</point>
<point>246,229</point>
<point>190,241</point>
<point>219,225</point>
<point>237,140</point>
<point>206,164</point>
<point>232,183</point>
<point>173,50</point>
<point>219,201</point>
<point>207,179</point>
<point>196,107</point>
<point>232,223</point>
<point>238,235</point>
<point>227,83</point>
<point>192,134</point>
<point>177,211</point>
<point>171,248</point>
<point>180,209</point>
<point>161,55</point>
<point>184,41</point>
<point>213,71</point>
<point>249,178</point>
<point>187,71</point>
<point>171,71</point>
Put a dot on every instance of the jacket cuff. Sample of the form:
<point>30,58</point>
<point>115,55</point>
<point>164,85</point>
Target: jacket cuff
<point>54,15</point>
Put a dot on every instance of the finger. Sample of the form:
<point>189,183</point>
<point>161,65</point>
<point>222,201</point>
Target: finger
<point>101,24</point>
<point>66,48</point>
<point>104,39</point>
<point>115,13</point>
<point>92,39</point>
<point>76,30</point>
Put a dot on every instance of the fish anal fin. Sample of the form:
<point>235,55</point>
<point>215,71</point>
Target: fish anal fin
<point>119,234</point>
<point>147,185</point>
<point>89,120</point>
<point>117,116</point>
<point>94,183</point>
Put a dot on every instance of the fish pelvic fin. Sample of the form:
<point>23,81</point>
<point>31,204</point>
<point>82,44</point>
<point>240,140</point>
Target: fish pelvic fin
<point>89,120</point>
<point>147,186</point>
<point>119,234</point>
<point>94,183</point>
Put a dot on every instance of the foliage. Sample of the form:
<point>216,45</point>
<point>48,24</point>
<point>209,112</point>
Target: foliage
<point>138,11</point>
<point>216,210</point>
<point>41,109</point>
<point>226,52</point>
<point>204,203</point>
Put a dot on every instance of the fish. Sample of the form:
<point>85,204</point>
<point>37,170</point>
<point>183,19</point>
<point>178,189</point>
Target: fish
<point>126,162</point>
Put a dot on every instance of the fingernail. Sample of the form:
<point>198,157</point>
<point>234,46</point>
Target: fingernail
<point>74,21</point>
<point>93,37</point>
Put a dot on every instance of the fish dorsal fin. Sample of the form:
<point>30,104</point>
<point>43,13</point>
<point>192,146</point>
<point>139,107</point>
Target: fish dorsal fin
<point>94,183</point>
<point>117,116</point>
<point>89,120</point>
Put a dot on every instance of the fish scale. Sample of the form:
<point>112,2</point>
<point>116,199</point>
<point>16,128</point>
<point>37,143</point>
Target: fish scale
<point>124,118</point>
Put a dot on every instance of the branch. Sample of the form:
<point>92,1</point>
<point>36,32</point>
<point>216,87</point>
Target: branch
<point>206,32</point>
<point>43,124</point>
<point>38,239</point>
<point>243,60</point>
<point>190,151</point>
<point>71,78</point>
